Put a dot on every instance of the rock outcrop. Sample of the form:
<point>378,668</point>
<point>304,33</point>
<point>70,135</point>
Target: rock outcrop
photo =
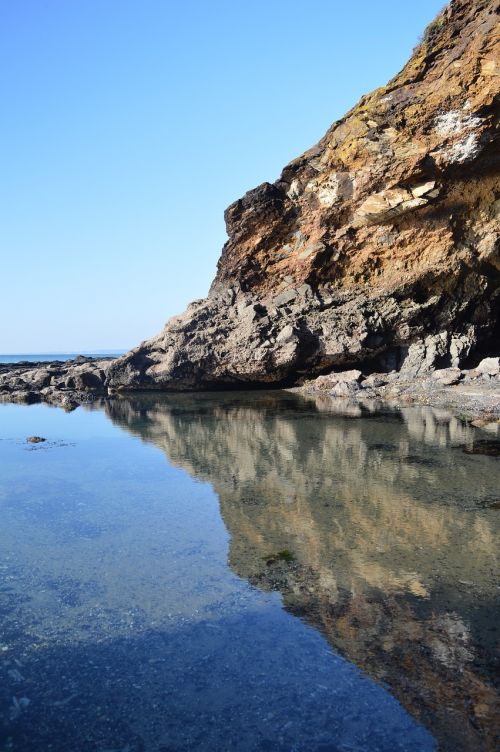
<point>64,383</point>
<point>376,249</point>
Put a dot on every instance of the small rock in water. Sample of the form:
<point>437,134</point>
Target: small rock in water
<point>35,439</point>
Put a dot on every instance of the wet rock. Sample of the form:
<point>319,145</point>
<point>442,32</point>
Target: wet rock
<point>69,383</point>
<point>472,374</point>
<point>344,389</point>
<point>18,393</point>
<point>423,355</point>
<point>343,384</point>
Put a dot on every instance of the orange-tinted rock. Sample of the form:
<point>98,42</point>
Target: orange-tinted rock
<point>377,248</point>
<point>418,154</point>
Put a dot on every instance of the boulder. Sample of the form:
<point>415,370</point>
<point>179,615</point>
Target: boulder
<point>447,376</point>
<point>374,380</point>
<point>489,367</point>
<point>342,383</point>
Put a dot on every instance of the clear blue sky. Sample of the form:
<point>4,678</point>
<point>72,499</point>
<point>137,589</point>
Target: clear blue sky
<point>128,126</point>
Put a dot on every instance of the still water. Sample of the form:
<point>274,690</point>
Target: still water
<point>51,357</point>
<point>246,571</point>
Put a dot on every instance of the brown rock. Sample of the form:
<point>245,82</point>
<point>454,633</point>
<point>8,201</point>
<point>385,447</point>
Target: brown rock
<point>377,248</point>
<point>390,225</point>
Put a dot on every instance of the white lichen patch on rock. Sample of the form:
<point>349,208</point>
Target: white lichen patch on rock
<point>464,150</point>
<point>455,122</point>
<point>295,189</point>
<point>462,133</point>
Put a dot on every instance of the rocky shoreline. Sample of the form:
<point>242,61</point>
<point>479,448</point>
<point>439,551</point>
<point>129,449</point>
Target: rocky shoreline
<point>472,394</point>
<point>67,384</point>
<point>376,250</point>
<point>376,253</point>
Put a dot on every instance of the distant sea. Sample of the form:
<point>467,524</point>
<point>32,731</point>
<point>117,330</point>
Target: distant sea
<point>45,357</point>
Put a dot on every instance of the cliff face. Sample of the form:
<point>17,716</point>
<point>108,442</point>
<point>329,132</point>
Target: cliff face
<point>379,246</point>
<point>400,191</point>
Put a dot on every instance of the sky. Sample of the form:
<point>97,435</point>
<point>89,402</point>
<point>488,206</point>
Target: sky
<point>128,126</point>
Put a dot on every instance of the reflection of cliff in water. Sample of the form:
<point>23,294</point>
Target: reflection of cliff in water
<point>390,526</point>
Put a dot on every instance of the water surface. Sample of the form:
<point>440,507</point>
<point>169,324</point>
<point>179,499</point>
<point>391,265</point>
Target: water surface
<point>49,357</point>
<point>245,572</point>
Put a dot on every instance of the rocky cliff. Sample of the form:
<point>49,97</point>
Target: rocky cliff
<point>377,248</point>
<point>375,251</point>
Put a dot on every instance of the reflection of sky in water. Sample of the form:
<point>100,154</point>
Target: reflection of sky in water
<point>125,628</point>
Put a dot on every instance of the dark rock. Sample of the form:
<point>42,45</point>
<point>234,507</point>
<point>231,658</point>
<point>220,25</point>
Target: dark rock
<point>489,447</point>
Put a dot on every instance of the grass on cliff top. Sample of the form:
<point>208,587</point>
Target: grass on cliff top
<point>284,555</point>
<point>431,31</point>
